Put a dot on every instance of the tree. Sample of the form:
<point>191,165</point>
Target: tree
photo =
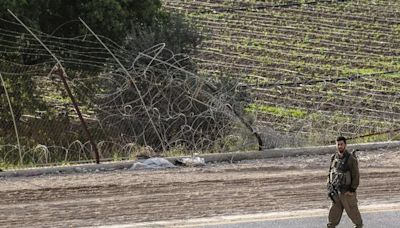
<point>111,18</point>
<point>178,34</point>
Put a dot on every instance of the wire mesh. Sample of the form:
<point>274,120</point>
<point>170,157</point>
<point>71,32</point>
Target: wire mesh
<point>305,73</point>
<point>159,105</point>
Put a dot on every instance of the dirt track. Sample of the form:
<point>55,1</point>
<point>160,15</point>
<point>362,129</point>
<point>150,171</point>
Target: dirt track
<point>118,197</point>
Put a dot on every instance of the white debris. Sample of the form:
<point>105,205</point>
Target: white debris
<point>153,163</point>
<point>192,161</point>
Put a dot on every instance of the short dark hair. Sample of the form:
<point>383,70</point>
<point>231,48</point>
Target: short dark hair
<point>341,138</point>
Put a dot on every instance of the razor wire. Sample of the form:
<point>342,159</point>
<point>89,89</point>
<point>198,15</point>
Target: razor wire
<point>291,103</point>
<point>186,113</point>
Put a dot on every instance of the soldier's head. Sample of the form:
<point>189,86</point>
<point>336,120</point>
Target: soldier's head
<point>341,144</point>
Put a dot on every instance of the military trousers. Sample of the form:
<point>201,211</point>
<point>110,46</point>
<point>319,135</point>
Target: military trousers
<point>349,204</point>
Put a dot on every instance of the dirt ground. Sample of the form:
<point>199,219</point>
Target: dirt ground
<point>248,187</point>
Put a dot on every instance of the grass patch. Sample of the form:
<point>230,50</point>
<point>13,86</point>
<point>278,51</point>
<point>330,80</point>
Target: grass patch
<point>279,111</point>
<point>4,166</point>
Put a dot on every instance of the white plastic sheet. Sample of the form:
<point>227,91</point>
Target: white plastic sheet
<point>153,163</point>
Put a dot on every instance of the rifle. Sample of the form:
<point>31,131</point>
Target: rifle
<point>334,185</point>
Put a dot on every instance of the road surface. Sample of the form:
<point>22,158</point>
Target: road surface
<point>379,219</point>
<point>280,185</point>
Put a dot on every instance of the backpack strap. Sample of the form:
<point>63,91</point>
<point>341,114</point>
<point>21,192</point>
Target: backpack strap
<point>354,153</point>
<point>333,157</point>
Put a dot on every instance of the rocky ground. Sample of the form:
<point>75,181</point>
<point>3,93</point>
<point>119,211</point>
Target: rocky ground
<point>129,196</point>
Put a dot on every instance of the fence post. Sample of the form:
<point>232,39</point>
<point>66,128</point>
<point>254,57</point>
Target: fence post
<point>61,73</point>
<point>13,118</point>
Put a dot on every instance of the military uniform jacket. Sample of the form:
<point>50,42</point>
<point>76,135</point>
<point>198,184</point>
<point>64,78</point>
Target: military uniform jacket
<point>349,170</point>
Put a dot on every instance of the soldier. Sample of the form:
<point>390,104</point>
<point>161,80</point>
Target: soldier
<point>343,180</point>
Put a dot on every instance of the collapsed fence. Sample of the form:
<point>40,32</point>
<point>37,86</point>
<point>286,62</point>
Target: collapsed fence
<point>156,102</point>
<point>143,103</point>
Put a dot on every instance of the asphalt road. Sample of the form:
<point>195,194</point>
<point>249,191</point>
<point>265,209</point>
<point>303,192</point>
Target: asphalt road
<point>374,216</point>
<point>386,219</point>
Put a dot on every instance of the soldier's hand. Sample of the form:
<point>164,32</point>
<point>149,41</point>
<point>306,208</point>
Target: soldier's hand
<point>349,193</point>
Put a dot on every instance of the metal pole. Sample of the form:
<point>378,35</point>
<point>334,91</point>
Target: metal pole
<point>13,118</point>
<point>61,74</point>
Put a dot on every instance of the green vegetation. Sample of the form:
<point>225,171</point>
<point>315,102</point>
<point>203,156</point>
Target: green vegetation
<point>60,17</point>
<point>279,111</point>
<point>303,50</point>
<point>43,111</point>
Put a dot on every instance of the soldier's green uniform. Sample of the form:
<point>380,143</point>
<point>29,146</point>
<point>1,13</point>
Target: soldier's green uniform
<point>349,183</point>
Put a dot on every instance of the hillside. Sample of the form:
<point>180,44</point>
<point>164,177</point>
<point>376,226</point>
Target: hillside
<point>315,70</point>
